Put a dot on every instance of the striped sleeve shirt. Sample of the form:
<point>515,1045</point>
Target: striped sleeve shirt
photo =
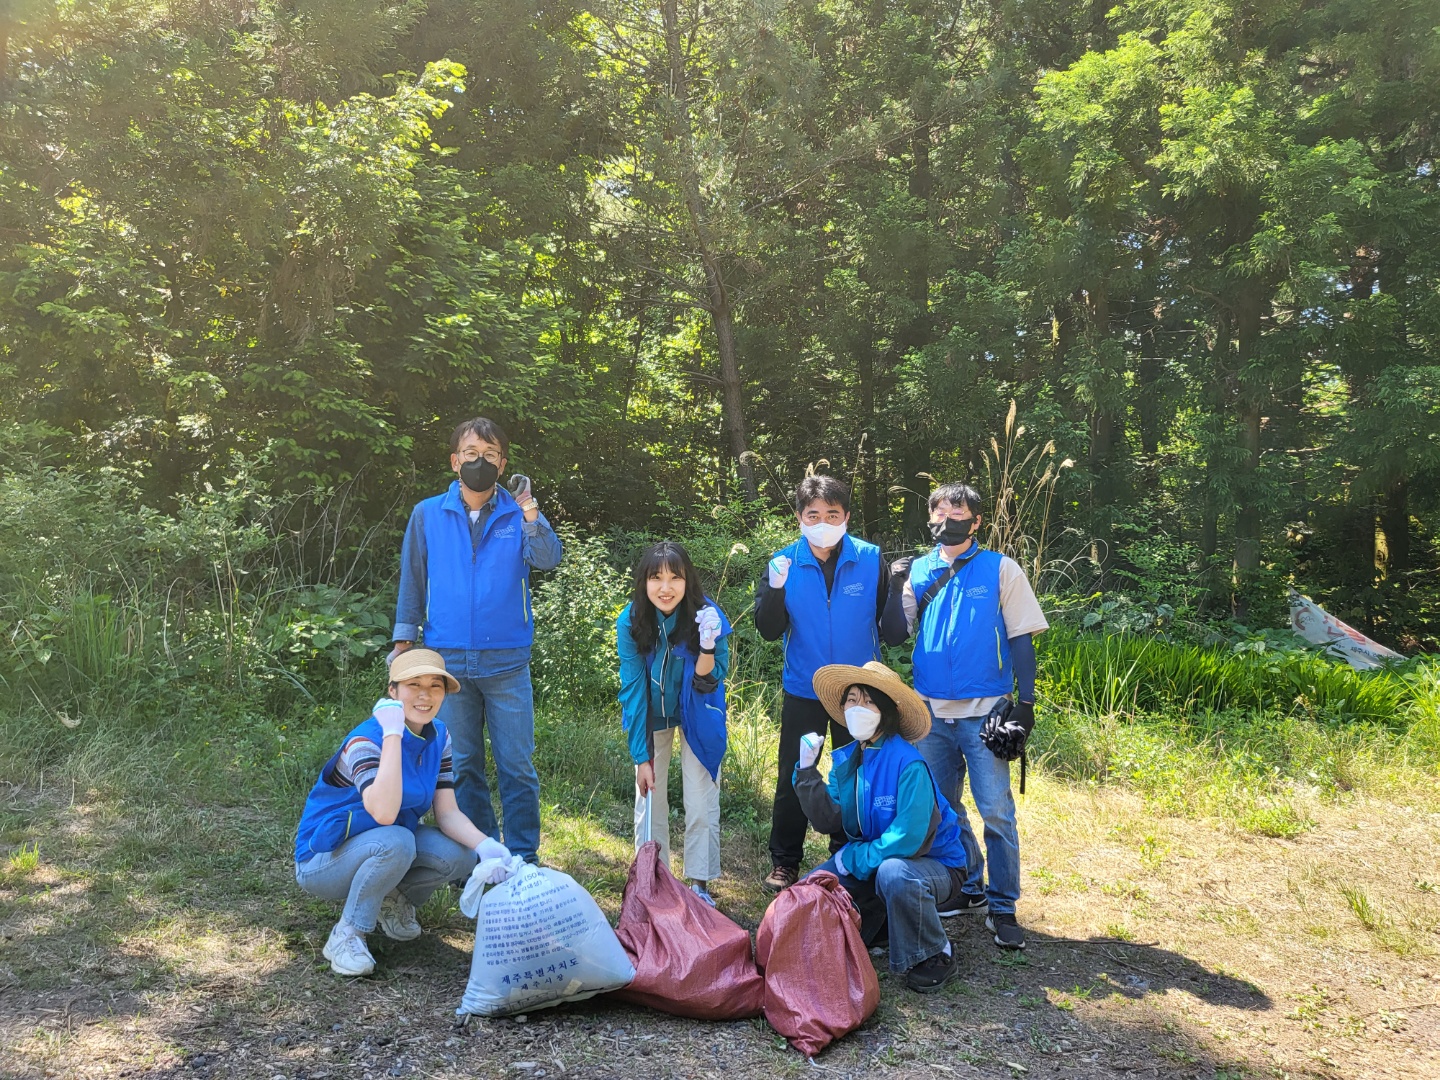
<point>359,761</point>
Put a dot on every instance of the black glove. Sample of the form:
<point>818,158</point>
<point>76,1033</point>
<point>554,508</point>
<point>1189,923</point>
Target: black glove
<point>900,572</point>
<point>1007,728</point>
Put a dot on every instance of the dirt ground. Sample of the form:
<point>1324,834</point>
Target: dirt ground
<point>170,941</point>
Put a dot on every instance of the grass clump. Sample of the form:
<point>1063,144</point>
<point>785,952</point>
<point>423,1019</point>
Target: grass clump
<point>24,861</point>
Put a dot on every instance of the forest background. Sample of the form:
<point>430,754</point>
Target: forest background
<point>681,251</point>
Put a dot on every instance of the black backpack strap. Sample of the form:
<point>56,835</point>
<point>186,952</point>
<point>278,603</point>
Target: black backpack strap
<point>940,582</point>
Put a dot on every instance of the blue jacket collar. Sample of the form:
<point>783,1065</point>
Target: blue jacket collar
<point>425,734</point>
<point>847,552</point>
<point>502,501</point>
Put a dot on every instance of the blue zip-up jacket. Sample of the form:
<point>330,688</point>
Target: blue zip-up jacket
<point>663,683</point>
<point>961,647</point>
<point>334,812</point>
<point>889,806</point>
<point>464,588</point>
<point>835,627</point>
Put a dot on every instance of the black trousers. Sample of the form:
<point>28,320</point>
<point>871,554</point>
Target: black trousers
<point>798,716</point>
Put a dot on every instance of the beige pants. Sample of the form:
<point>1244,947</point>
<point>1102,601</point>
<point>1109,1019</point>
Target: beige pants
<point>702,809</point>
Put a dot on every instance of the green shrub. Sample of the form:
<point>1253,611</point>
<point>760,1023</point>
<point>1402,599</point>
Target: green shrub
<point>574,662</point>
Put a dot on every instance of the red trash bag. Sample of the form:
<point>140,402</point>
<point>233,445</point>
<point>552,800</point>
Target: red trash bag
<point>819,982</point>
<point>689,959</point>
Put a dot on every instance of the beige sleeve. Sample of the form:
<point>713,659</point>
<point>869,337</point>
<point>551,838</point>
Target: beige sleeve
<point>1018,606</point>
<point>912,606</point>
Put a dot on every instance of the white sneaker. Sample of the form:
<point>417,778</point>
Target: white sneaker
<point>346,951</point>
<point>699,889</point>
<point>397,917</point>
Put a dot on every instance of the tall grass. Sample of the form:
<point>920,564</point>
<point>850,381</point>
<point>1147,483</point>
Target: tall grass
<point>1108,674</point>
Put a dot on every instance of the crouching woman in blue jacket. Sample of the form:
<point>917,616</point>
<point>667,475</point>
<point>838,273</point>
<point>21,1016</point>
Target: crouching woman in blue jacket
<point>360,839</point>
<point>673,662</point>
<point>902,862</point>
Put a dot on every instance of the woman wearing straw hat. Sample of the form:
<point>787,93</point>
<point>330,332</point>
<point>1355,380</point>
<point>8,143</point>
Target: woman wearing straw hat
<point>360,839</point>
<point>903,860</point>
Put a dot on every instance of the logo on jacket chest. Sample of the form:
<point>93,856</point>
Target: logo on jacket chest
<point>505,532</point>
<point>978,592</point>
<point>883,802</point>
<point>853,590</point>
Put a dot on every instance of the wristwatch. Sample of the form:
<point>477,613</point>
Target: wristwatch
<point>529,504</point>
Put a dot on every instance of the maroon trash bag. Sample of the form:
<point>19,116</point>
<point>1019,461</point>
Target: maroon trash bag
<point>819,982</point>
<point>689,959</point>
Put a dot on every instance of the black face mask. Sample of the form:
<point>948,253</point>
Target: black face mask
<point>479,475</point>
<point>951,533</point>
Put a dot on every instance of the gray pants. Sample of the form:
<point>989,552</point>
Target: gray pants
<point>364,869</point>
<point>702,808</point>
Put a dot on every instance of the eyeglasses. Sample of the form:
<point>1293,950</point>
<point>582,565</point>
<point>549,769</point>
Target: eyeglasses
<point>492,456</point>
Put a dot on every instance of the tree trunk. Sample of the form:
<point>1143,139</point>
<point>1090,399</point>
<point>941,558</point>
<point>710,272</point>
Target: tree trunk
<point>1393,559</point>
<point>1149,410</point>
<point>720,304</point>
<point>915,460</point>
<point>1217,408</point>
<point>1248,408</point>
<point>1106,435</point>
<point>915,332</point>
<point>870,497</point>
<point>732,396</point>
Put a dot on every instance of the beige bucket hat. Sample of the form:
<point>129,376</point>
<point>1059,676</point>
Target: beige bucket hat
<point>833,680</point>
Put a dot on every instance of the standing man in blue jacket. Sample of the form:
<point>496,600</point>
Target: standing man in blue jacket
<point>974,616</point>
<point>465,591</point>
<point>824,595</point>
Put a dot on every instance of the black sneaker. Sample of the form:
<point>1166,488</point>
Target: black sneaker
<point>1008,934</point>
<point>930,975</point>
<point>969,904</point>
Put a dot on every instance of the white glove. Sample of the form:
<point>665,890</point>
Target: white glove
<point>391,715</point>
<point>779,571</point>
<point>487,872</point>
<point>810,747</point>
<point>495,872</point>
<point>840,863</point>
<point>490,848</point>
<point>708,620</point>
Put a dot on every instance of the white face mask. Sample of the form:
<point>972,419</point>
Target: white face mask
<point>862,722</point>
<point>822,534</point>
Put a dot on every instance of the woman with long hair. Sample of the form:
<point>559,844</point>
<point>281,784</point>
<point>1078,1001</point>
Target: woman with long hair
<point>674,656</point>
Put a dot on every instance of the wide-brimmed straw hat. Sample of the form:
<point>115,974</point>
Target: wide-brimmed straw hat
<point>412,663</point>
<point>832,680</point>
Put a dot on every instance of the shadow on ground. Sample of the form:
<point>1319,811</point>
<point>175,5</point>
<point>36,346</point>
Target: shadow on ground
<point>170,941</point>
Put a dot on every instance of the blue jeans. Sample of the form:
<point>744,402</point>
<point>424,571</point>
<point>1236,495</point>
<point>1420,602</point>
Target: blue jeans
<point>364,869</point>
<point>495,693</point>
<point>912,890</point>
<point>952,749</point>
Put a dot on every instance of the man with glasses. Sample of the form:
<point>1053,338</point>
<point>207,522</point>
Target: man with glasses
<point>824,595</point>
<point>974,616</point>
<point>465,590</point>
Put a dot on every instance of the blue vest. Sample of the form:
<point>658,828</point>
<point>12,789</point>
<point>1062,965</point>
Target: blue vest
<point>702,716</point>
<point>877,787</point>
<point>334,813</point>
<point>961,648</point>
<point>829,628</point>
<point>478,597</point>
